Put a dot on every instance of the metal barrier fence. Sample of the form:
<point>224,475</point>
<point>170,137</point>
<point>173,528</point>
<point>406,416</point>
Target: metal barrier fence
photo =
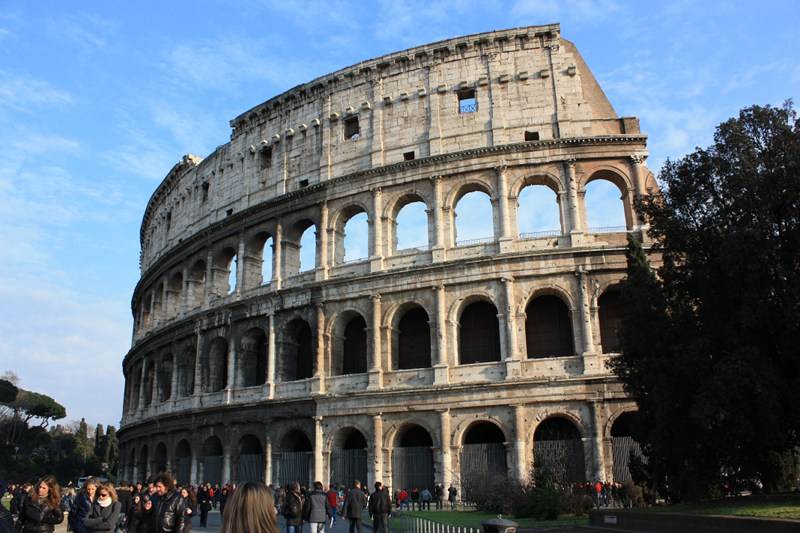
<point>402,523</point>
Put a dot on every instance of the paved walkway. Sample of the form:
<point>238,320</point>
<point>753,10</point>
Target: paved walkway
<point>215,521</point>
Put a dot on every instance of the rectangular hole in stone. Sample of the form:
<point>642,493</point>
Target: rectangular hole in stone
<point>531,135</point>
<point>408,156</point>
<point>351,129</point>
<point>467,101</point>
<point>303,183</point>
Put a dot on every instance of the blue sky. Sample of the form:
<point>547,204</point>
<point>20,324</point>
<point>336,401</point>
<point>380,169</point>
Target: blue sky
<point>99,99</point>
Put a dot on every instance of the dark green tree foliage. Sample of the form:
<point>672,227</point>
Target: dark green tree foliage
<point>710,344</point>
<point>99,440</point>
<point>8,392</point>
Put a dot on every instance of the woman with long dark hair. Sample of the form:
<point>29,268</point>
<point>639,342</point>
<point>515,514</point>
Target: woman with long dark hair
<point>83,505</point>
<point>187,493</point>
<point>250,509</point>
<point>41,508</point>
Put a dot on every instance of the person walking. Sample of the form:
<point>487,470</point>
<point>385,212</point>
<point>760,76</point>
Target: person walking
<point>191,508</point>
<point>170,510</point>
<point>438,490</point>
<point>82,505</point>
<point>204,502</point>
<point>293,508</point>
<point>333,502</point>
<point>106,510</point>
<point>353,508</point>
<point>379,509</point>
<point>425,498</point>
<point>41,509</point>
<point>452,493</point>
<point>251,509</point>
<point>317,510</point>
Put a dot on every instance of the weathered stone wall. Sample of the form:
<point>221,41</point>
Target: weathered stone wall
<point>266,357</point>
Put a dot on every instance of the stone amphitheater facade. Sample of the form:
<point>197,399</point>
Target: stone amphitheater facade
<point>411,366</point>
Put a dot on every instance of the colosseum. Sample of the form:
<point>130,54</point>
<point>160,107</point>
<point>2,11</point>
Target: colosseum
<point>434,362</point>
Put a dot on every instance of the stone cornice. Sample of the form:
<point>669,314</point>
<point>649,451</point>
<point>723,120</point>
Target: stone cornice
<point>238,218</point>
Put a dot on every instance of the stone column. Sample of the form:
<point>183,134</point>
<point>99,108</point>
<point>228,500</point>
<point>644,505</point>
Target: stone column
<point>267,460</point>
<point>240,266</point>
<point>198,356</point>
<point>209,286</point>
<point>153,318</point>
<point>521,470</point>
<point>193,473</point>
<point>154,392</point>
<point>319,446</point>
<point>637,173</point>
<point>446,459</point>
<point>322,243</point>
<point>504,236</point>
<point>377,449</point>
<point>512,356</point>
<point>226,463</point>
<point>441,366</point>
<point>276,256</point>
<point>598,445</point>
<point>271,370</point>
<point>164,300</point>
<point>231,384</point>
<point>173,386</point>
<point>184,304</point>
<point>376,362</point>
<point>585,311</point>
<point>376,260</point>
<point>319,367</point>
<point>438,250</point>
<point>575,226</point>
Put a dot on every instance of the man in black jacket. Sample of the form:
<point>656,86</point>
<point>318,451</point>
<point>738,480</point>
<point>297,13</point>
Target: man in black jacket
<point>293,508</point>
<point>379,509</point>
<point>353,508</point>
<point>170,510</point>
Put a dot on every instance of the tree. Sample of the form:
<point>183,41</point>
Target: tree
<point>99,441</point>
<point>8,391</point>
<point>709,345</point>
<point>34,405</point>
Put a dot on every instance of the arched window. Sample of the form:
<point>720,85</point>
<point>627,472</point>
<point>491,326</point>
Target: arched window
<point>538,213</point>
<point>355,346</point>
<point>474,219</point>
<point>197,284</point>
<point>413,339</point>
<point>252,369</point>
<point>250,466</point>
<point>349,457</point>
<point>149,381</point>
<point>183,460</point>
<point>624,445</point>
<point>610,313</point>
<point>479,333</point>
<point>266,261</point>
<point>165,378</point>
<point>308,249</point>
<point>160,458</point>
<point>411,227</point>
<point>412,460</point>
<point>605,210</point>
<point>354,239</point>
<point>293,461</point>
<point>215,369</point>
<point>297,361</point>
<point>483,457</point>
<point>212,461</point>
<point>558,451</point>
<point>174,292</point>
<point>186,365</point>
<point>548,328</point>
<point>233,267</point>
<point>299,247</point>
<point>225,265</point>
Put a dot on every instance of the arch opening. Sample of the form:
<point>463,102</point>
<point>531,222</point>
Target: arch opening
<point>196,284</point>
<point>349,457</point>
<point>165,368</point>
<point>411,226</point>
<point>212,461</point>
<point>548,328</point>
<point>215,367</point>
<point>609,307</point>
<point>413,339</point>
<point>538,212</point>
<point>558,451</point>
<point>183,462</point>
<point>625,449</point>
<point>252,368</point>
<point>473,219</point>
<point>352,237</point>
<point>293,460</point>
<point>186,376</point>
<point>412,459</point>
<point>483,458</point>
<point>297,361</point>
<point>250,466</point>
<point>605,206</point>
<point>479,333</point>
<point>160,458</point>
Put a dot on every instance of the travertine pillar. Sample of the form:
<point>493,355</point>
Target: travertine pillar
<point>226,463</point>
<point>637,173</point>
<point>173,387</point>
<point>271,371</point>
<point>163,315</point>
<point>520,461</point>
<point>318,447</point>
<point>198,356</point>
<point>322,243</point>
<point>184,303</point>
<point>445,456</point>
<point>240,266</point>
<point>154,391</point>
<point>319,367</point>
<point>193,473</point>
<point>231,384</point>
<point>503,233</point>
<point>276,256</point>
<point>441,366</point>
<point>598,445</point>
<point>209,286</point>
<point>376,367</point>
<point>267,460</point>
<point>511,355</point>
<point>575,226</point>
<point>377,449</point>
<point>585,311</point>
<point>438,250</point>
<point>153,318</point>
<point>376,260</point>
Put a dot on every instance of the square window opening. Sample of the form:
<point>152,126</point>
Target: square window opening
<point>229,212</point>
<point>303,183</point>
<point>205,191</point>
<point>352,131</point>
<point>265,157</point>
<point>467,101</point>
<point>408,156</point>
<point>531,135</point>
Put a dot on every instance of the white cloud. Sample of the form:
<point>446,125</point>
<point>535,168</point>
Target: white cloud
<point>90,32</point>
<point>22,92</point>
